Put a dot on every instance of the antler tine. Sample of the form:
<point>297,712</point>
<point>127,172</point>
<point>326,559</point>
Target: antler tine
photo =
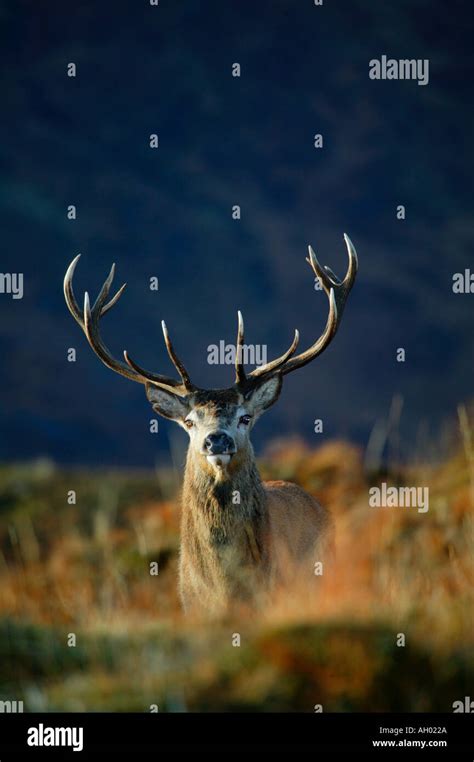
<point>71,299</point>
<point>273,366</point>
<point>114,300</point>
<point>182,389</point>
<point>337,292</point>
<point>155,378</point>
<point>329,280</point>
<point>188,385</point>
<point>324,274</point>
<point>69,293</point>
<point>353,262</point>
<point>240,375</point>
<point>91,329</point>
<point>89,319</point>
<point>320,345</point>
<point>104,292</point>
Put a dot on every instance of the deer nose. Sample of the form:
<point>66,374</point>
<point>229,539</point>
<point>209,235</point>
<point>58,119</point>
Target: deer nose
<point>218,443</point>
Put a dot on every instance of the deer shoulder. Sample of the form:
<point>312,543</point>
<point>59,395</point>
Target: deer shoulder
<point>298,525</point>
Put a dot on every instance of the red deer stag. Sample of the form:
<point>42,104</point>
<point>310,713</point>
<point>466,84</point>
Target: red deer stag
<point>239,535</point>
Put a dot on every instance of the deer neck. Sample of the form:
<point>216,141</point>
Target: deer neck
<point>224,514</point>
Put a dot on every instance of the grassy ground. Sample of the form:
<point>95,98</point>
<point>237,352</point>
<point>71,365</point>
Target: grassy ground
<point>82,569</point>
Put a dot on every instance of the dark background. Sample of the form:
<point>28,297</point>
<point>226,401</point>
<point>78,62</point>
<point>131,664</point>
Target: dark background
<point>225,141</point>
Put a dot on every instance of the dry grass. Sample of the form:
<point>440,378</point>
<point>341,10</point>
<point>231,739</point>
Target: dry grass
<point>84,569</point>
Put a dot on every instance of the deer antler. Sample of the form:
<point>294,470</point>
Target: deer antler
<point>337,292</point>
<point>89,322</point>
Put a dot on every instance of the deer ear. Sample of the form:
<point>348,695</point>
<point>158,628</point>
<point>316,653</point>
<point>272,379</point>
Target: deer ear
<point>166,403</point>
<point>265,394</point>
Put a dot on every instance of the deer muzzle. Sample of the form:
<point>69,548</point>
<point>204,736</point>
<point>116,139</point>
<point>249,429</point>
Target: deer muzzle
<point>219,448</point>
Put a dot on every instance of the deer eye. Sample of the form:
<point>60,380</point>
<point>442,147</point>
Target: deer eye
<point>245,419</point>
<point>188,423</point>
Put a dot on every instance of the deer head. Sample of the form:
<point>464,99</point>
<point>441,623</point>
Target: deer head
<point>218,421</point>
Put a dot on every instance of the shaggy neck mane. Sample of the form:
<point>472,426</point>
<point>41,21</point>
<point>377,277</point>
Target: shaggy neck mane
<point>224,518</point>
<point>224,500</point>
